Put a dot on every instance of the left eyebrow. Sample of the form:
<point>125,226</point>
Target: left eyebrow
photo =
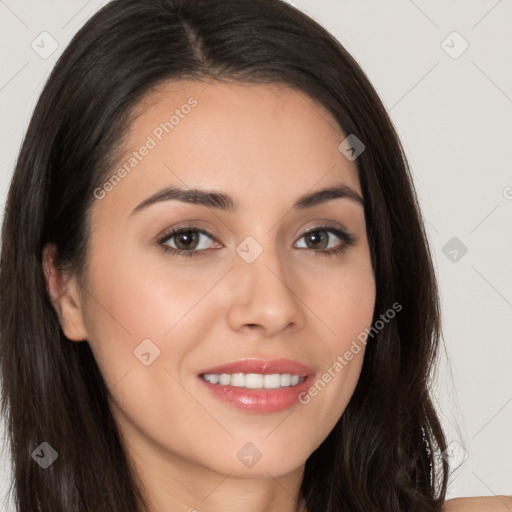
<point>321,196</point>
<point>225,202</point>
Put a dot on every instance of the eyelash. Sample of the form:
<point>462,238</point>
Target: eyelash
<point>348,241</point>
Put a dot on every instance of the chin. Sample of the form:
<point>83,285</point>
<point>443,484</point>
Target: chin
<point>249,463</point>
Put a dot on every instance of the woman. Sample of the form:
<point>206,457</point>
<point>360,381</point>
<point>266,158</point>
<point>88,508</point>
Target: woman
<point>216,290</point>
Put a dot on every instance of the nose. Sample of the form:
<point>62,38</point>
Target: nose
<point>264,298</point>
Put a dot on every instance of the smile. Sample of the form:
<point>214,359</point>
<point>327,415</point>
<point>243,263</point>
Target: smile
<point>254,380</point>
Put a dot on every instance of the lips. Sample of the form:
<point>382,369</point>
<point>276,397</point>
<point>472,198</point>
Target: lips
<point>261,366</point>
<point>297,380</point>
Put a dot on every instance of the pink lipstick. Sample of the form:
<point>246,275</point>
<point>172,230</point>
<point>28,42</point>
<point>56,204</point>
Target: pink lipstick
<point>257,385</point>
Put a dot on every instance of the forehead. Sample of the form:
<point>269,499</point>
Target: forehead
<point>261,138</point>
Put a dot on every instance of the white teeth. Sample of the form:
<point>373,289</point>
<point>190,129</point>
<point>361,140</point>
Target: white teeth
<point>224,379</point>
<point>285,379</point>
<point>238,379</point>
<point>272,381</point>
<point>254,380</point>
<point>214,379</point>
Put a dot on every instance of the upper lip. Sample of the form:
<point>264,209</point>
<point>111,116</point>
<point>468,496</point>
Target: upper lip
<point>261,366</point>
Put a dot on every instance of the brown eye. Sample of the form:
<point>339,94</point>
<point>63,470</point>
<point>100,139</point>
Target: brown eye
<point>317,239</point>
<point>184,241</point>
<point>322,240</point>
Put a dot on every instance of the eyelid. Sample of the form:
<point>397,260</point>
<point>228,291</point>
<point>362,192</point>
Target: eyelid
<point>195,225</point>
<point>347,239</point>
<point>324,224</point>
<point>171,233</point>
<point>191,225</point>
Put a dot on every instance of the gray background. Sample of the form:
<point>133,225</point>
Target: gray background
<point>453,112</point>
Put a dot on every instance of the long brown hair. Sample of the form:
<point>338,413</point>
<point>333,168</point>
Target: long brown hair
<point>383,454</point>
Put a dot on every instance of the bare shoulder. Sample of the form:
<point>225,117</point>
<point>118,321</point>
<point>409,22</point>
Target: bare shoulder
<point>479,504</point>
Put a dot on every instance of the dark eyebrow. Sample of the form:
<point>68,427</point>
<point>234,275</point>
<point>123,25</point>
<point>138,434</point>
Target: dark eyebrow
<point>224,202</point>
<point>340,191</point>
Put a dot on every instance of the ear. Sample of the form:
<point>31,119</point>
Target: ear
<point>64,292</point>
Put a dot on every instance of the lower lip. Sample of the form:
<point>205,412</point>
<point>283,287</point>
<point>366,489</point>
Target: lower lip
<point>259,400</point>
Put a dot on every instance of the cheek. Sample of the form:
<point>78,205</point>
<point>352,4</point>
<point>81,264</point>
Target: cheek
<point>131,301</point>
<point>351,300</point>
<point>345,299</point>
<point>345,303</point>
<point>122,309</point>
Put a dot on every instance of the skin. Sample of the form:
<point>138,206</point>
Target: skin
<point>264,145</point>
<point>479,504</point>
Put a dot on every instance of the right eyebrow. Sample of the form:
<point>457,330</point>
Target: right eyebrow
<point>225,202</point>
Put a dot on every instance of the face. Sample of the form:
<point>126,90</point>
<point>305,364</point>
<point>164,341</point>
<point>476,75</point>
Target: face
<point>262,275</point>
